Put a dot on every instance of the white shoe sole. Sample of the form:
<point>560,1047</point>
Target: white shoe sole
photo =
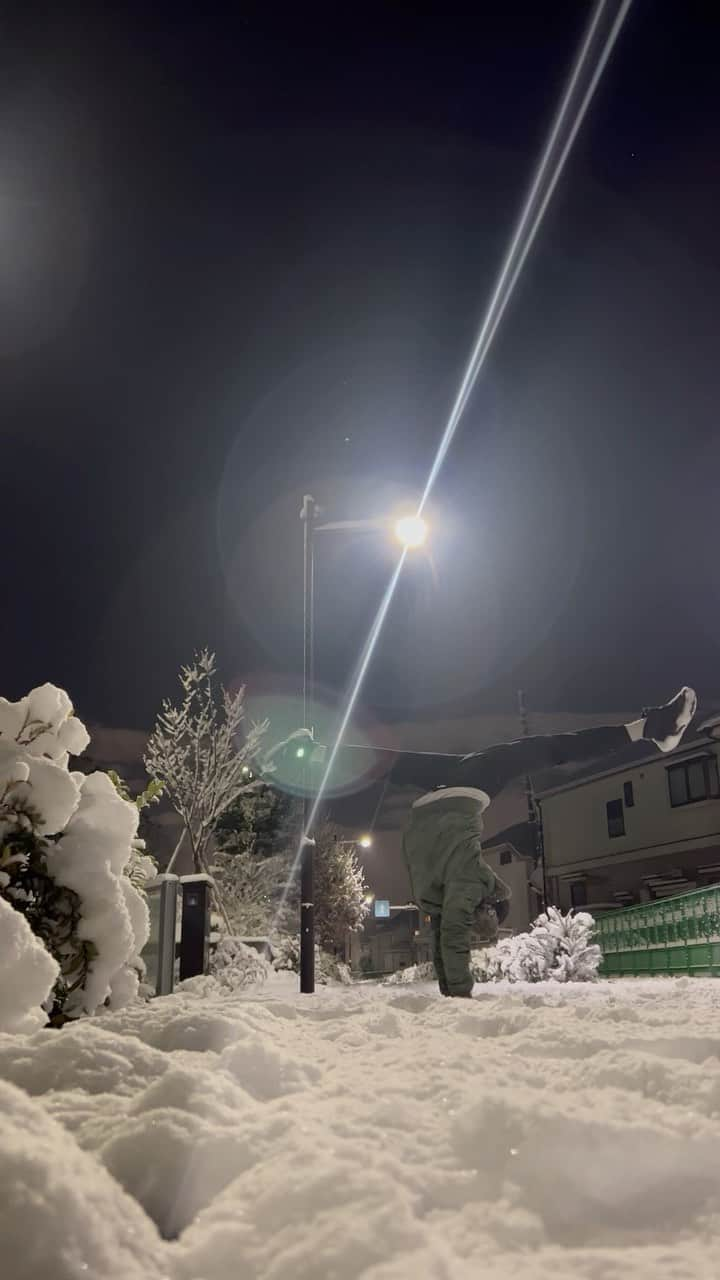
<point>683,720</point>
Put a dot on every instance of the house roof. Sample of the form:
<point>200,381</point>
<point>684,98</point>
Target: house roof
<point>634,756</point>
<point>520,837</point>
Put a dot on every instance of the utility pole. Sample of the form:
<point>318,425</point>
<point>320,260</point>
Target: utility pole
<point>308,515</point>
<point>533,812</point>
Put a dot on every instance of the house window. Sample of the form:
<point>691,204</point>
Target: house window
<point>628,795</point>
<point>615,818</point>
<point>578,893</point>
<point>695,780</point>
<point>505,858</point>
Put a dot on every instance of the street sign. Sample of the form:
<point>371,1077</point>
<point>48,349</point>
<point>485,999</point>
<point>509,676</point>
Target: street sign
<point>382,907</point>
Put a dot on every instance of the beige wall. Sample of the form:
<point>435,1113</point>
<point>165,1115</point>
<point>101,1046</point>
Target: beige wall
<point>656,834</point>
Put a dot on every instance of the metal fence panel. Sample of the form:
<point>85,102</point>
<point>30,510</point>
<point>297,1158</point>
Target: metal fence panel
<point>669,936</point>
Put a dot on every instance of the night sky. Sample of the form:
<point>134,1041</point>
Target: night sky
<point>245,254</point>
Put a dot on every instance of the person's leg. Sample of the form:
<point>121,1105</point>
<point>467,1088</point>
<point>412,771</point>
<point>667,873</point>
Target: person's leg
<point>436,920</point>
<point>488,770</point>
<point>493,769</point>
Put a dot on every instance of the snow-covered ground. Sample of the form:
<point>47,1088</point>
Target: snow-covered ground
<point>554,1131</point>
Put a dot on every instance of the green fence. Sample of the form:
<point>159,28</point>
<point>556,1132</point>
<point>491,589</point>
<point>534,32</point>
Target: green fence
<point>672,936</point>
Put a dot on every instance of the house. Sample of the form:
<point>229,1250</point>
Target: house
<point>647,828</point>
<point>516,869</point>
<point>386,945</point>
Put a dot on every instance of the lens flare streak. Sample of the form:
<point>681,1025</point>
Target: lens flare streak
<point>532,214</point>
<point>547,175</point>
<point>355,687</point>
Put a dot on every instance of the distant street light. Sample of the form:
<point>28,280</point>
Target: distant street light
<point>411,532</point>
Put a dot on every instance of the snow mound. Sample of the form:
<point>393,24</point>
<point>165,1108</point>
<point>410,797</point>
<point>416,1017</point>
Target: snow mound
<point>61,1213</point>
<point>27,973</point>
<point>86,1057</point>
<point>414,973</point>
<point>375,1133</point>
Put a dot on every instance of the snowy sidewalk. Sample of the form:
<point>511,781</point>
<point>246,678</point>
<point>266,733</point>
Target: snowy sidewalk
<point>567,1132</point>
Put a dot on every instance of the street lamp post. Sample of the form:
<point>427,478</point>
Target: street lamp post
<point>411,532</point>
<point>307,891</point>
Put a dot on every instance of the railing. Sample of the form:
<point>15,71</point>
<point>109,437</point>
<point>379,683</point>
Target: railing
<point>673,936</point>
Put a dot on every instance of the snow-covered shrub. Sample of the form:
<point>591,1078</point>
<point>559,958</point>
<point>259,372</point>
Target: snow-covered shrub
<point>234,965</point>
<point>558,948</point>
<point>141,867</point>
<point>414,973</point>
<point>328,969</point>
<point>27,973</point>
<point>66,843</point>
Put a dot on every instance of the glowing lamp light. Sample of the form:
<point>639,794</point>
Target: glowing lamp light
<point>300,753</point>
<point>411,531</point>
<point>365,842</point>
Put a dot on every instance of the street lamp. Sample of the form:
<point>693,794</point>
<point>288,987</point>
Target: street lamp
<point>365,841</point>
<point>411,532</point>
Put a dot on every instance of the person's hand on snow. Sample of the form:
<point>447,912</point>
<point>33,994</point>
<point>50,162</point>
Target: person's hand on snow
<point>485,923</point>
<point>500,899</point>
<point>502,910</point>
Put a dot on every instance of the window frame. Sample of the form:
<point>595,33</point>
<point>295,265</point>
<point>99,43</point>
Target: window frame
<point>711,778</point>
<point>619,817</point>
<point>582,886</point>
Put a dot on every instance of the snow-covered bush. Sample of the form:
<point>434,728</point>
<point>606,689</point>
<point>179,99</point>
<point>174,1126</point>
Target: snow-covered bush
<point>558,948</point>
<point>328,969</point>
<point>141,867</point>
<point>27,973</point>
<point>66,843</point>
<point>234,965</point>
<point>414,973</point>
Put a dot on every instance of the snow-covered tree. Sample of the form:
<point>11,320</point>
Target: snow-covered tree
<point>250,888</point>
<point>66,843</point>
<point>558,948</point>
<point>252,865</point>
<point>340,889</point>
<point>265,822</point>
<point>197,753</point>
